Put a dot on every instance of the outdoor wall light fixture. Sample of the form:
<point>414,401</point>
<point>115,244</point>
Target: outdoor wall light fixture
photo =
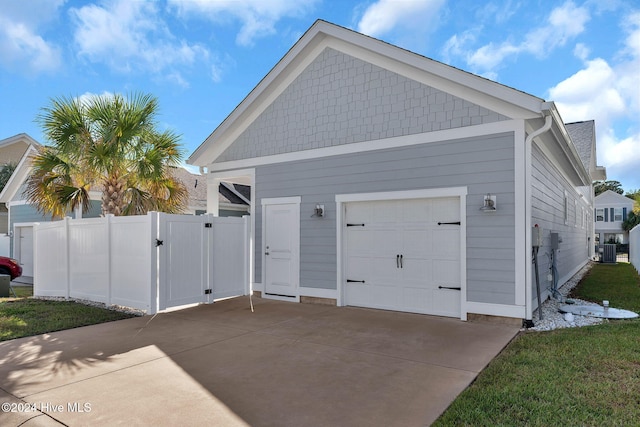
<point>318,211</point>
<point>489,203</point>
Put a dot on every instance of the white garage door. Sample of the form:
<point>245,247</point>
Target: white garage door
<point>404,255</point>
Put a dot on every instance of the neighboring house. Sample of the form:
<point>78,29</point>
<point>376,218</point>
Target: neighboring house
<point>381,178</point>
<point>611,209</point>
<point>22,215</point>
<point>12,150</point>
<point>233,199</point>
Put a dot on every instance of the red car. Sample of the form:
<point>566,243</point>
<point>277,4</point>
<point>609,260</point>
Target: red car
<point>10,266</point>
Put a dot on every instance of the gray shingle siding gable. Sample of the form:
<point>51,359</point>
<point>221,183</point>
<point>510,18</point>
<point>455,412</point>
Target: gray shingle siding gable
<point>340,100</point>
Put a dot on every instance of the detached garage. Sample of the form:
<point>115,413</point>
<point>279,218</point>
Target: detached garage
<point>381,178</point>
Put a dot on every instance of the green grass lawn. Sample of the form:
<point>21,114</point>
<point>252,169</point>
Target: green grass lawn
<point>617,283</point>
<point>586,376</point>
<point>25,316</point>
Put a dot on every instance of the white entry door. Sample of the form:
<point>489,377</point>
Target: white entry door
<point>281,243</point>
<point>404,255</point>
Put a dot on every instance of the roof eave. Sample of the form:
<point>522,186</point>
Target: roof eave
<point>566,144</point>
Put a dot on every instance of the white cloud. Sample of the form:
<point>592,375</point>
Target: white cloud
<point>609,94</point>
<point>591,92</point>
<point>22,47</point>
<point>131,36</point>
<point>410,15</point>
<point>563,24</point>
<point>258,17</point>
<point>581,51</point>
<point>87,97</point>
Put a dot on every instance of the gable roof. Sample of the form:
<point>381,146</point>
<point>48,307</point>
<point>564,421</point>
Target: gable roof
<point>21,137</point>
<point>583,135</point>
<point>19,175</point>
<point>489,94</point>
<point>13,148</point>
<point>196,186</point>
<point>608,197</point>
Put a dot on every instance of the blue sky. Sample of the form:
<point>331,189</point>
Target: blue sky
<point>202,57</point>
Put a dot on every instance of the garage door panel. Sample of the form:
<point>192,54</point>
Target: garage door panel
<point>446,272</point>
<point>359,294</point>
<point>373,241</point>
<point>387,242</point>
<point>446,302</point>
<point>417,300</point>
<point>385,296</point>
<point>384,212</point>
<point>417,272</point>
<point>415,241</point>
<point>430,255</point>
<point>446,242</point>
<point>358,268</point>
<point>359,212</point>
<point>360,241</point>
<point>418,210</point>
<point>447,209</point>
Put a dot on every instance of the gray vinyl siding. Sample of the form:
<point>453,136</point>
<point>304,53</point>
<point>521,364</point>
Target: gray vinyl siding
<point>482,165</point>
<point>547,210</point>
<point>339,99</point>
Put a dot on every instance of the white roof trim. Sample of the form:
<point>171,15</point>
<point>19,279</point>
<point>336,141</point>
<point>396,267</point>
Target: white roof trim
<point>489,94</point>
<point>19,175</point>
<point>21,137</point>
<point>378,144</point>
<point>231,188</point>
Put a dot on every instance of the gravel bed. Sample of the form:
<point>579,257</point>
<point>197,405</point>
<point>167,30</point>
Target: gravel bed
<point>553,319</point>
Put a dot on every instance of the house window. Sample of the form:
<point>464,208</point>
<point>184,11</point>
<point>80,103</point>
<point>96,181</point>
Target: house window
<point>613,238</point>
<point>599,214</point>
<point>617,214</point>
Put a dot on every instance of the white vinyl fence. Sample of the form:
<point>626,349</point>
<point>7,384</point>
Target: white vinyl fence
<point>4,244</point>
<point>634,247</point>
<point>151,262</point>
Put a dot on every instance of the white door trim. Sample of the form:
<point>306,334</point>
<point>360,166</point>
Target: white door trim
<point>295,200</point>
<point>342,199</point>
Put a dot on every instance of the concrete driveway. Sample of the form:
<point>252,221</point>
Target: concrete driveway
<point>286,364</point>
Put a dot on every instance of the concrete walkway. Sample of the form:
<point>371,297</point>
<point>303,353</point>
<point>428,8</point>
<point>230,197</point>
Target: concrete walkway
<point>286,364</point>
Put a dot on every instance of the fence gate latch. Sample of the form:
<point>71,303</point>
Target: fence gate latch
<point>208,291</point>
<point>159,242</point>
<point>207,225</point>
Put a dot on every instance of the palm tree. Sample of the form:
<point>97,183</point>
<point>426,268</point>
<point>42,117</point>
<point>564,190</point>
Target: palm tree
<point>106,143</point>
<point>6,171</point>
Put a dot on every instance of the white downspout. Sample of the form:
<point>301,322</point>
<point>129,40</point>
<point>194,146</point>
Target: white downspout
<point>548,120</point>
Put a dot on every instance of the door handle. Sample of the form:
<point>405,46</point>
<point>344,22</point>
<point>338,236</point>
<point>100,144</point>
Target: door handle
<point>398,261</point>
<point>266,252</point>
<point>401,265</point>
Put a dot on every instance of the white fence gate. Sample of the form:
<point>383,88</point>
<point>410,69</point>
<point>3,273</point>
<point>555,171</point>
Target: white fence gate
<point>634,247</point>
<point>150,262</point>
